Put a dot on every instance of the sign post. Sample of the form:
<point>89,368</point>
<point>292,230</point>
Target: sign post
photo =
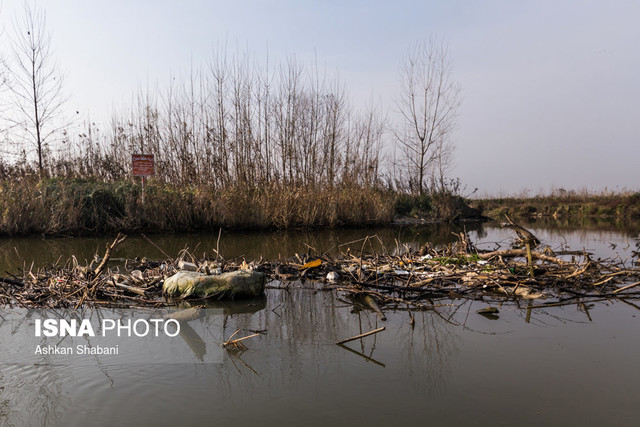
<point>142,165</point>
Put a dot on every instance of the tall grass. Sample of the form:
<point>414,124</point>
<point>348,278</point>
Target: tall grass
<point>87,206</point>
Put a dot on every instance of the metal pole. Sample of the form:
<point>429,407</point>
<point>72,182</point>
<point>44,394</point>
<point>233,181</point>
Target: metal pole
<point>144,179</point>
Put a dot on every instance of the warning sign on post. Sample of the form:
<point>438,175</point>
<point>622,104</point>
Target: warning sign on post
<point>142,164</point>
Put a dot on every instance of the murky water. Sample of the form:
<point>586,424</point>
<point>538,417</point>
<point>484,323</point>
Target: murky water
<point>455,367</point>
<point>33,252</point>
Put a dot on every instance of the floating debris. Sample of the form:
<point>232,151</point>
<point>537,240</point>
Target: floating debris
<point>488,310</point>
<point>233,284</point>
<point>237,345</point>
<point>333,276</point>
<point>413,280</point>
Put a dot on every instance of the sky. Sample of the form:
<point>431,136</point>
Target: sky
<point>550,88</point>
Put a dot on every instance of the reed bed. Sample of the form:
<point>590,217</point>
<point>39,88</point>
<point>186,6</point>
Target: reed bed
<point>86,206</point>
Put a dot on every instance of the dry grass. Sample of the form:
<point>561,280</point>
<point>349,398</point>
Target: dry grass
<point>88,206</point>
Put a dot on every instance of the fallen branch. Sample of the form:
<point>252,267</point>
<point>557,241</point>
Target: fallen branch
<point>237,345</point>
<point>510,253</point>
<point>366,334</point>
<point>131,289</point>
<point>119,239</point>
<point>624,288</point>
<point>11,281</point>
<point>580,271</point>
<point>241,339</point>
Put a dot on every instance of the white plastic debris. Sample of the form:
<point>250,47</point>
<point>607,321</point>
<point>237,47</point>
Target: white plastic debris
<point>187,266</point>
<point>332,276</point>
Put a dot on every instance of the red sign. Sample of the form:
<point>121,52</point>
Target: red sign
<point>143,164</point>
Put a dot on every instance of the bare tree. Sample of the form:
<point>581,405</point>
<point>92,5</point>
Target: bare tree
<point>428,103</point>
<point>3,90</point>
<point>239,124</point>
<point>34,81</point>
<point>3,68</point>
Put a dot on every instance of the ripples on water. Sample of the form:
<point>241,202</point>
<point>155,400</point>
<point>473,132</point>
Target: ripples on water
<point>455,367</point>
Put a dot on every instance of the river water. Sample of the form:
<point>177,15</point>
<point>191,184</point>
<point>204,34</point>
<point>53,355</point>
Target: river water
<point>564,366</point>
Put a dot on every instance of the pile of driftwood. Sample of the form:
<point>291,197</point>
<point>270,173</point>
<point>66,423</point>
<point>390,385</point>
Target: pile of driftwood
<point>418,279</point>
<point>428,277</point>
<point>71,285</point>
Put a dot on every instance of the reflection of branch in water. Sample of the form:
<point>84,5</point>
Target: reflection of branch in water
<point>464,325</point>
<point>444,318</point>
<point>533,312</point>
<point>584,307</point>
<point>562,319</point>
<point>236,366</point>
<point>247,365</point>
<point>453,313</point>
<point>624,300</point>
<point>193,340</point>
<point>364,356</point>
<point>102,368</point>
<point>427,349</point>
<point>375,341</point>
<point>236,355</point>
<point>274,309</point>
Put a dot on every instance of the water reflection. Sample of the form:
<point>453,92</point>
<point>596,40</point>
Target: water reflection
<point>296,352</point>
<point>22,253</point>
<point>450,354</point>
<point>33,395</point>
<point>453,367</point>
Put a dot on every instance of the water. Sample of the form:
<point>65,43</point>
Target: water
<point>455,367</point>
<point>34,252</point>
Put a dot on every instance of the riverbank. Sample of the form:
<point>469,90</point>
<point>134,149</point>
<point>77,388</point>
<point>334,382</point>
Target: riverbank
<point>85,206</point>
<point>567,205</point>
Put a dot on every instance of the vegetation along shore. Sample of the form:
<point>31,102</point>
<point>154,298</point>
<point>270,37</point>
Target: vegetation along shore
<point>240,144</point>
<point>92,206</point>
<point>234,143</point>
<point>85,206</point>
<point>562,204</point>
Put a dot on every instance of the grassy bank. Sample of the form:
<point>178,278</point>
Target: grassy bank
<point>86,206</point>
<point>563,205</point>
<point>73,206</point>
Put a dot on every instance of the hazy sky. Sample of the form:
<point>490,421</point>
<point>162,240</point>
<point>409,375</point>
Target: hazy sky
<point>550,89</point>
